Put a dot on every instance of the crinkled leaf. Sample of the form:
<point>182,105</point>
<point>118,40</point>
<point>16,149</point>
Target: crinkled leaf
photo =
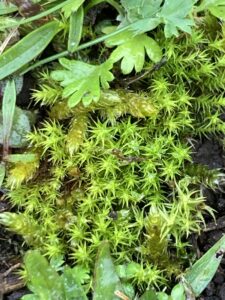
<point>106,280</point>
<point>82,81</point>
<point>22,121</point>
<point>43,279</point>
<point>202,272</point>
<point>71,7</point>
<point>132,51</point>
<point>174,15</point>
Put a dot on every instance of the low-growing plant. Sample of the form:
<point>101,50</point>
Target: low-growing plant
<point>116,164</point>
<point>111,282</point>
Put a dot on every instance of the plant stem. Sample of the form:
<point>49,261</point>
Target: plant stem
<point>81,47</point>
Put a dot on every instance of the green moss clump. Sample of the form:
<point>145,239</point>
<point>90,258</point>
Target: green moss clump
<point>122,169</point>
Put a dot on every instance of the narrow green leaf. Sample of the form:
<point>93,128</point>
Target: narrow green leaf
<point>202,272</point>
<point>8,109</point>
<point>71,6</point>
<point>25,158</point>
<point>27,48</point>
<point>2,173</point>
<point>7,8</point>
<point>75,31</point>
<point>106,280</point>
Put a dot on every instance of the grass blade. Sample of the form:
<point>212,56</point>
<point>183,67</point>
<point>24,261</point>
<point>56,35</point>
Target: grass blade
<point>76,26</point>
<point>202,272</point>
<point>27,49</point>
<point>8,109</point>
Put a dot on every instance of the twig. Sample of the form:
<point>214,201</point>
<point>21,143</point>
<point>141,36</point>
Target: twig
<point>6,287</point>
<point>212,226</point>
<point>121,295</point>
<point>156,67</point>
<point>7,40</point>
<point>6,273</point>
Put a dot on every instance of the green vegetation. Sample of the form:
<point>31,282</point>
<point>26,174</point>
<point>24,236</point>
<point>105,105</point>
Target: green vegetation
<point>113,158</point>
<point>58,281</point>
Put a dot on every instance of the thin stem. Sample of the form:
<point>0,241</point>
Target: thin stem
<point>45,61</point>
<point>81,47</point>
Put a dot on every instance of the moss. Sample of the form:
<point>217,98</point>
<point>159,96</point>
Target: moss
<point>122,171</point>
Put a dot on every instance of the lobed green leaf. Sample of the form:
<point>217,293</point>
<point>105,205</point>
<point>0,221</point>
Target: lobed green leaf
<point>82,81</point>
<point>174,15</point>
<point>132,51</point>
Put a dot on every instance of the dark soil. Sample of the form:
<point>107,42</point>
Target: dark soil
<point>11,251</point>
<point>208,152</point>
